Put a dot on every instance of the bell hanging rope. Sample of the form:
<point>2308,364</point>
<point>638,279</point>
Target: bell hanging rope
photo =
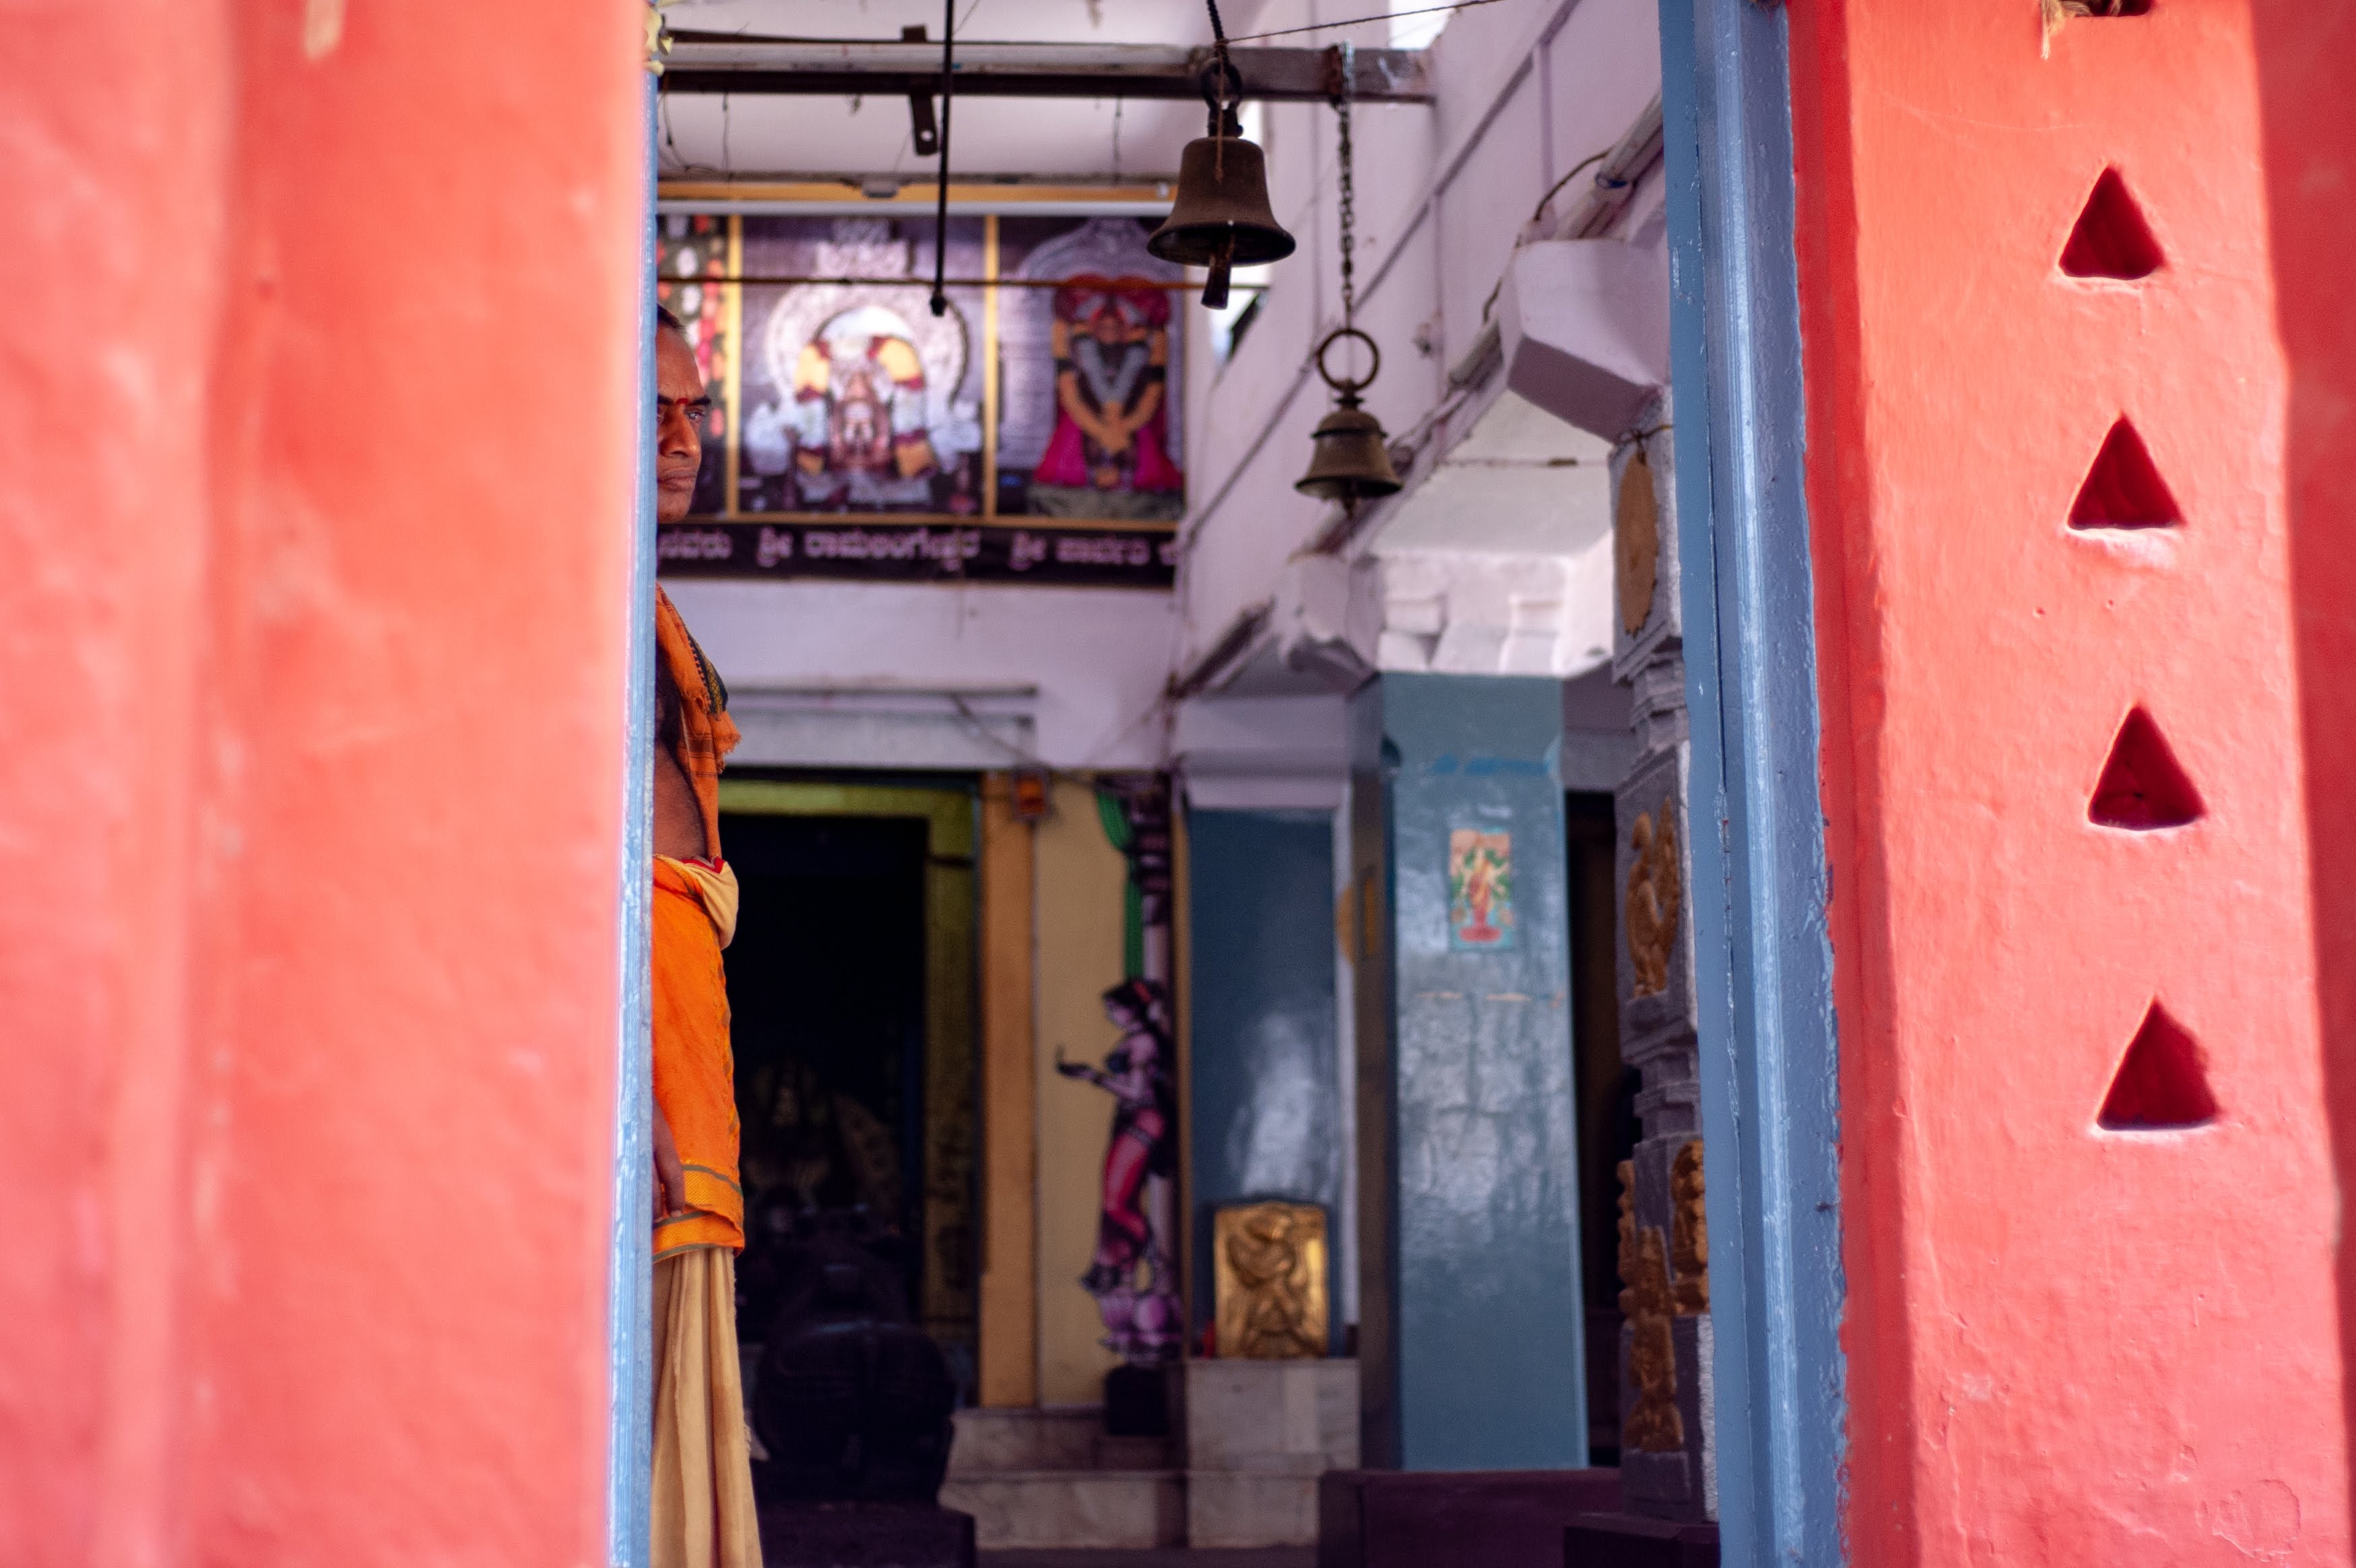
<point>1221,218</point>
<point>940,298</point>
<point>1350,460</point>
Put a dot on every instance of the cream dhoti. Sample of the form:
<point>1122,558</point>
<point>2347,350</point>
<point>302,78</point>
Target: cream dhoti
<point>704,1511</point>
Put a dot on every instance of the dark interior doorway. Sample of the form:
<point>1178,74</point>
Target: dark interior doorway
<point>827,982</point>
<point>1607,1101</point>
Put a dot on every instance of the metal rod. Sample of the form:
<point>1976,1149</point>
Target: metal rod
<point>1178,285</point>
<point>709,62</point>
<point>940,301</point>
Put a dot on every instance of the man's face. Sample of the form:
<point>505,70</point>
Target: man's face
<point>680,408</point>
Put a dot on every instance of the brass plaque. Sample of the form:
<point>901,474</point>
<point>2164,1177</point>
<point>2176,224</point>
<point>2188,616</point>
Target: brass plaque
<point>1268,1282</point>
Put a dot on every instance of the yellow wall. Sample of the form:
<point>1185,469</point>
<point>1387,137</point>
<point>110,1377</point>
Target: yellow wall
<point>1081,880</point>
<point>1010,1100</point>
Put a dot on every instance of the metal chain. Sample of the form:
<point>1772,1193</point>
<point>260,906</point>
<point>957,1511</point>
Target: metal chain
<point>1219,57</point>
<point>1220,67</point>
<point>1349,189</point>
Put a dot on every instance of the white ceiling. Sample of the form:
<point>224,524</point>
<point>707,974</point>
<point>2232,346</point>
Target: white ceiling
<point>1089,140</point>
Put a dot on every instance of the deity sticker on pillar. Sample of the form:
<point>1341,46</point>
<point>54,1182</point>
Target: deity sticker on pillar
<point>1480,890</point>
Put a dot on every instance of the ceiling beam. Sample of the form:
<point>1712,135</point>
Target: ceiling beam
<point>716,62</point>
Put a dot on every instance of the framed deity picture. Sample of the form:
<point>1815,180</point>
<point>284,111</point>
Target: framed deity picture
<point>1480,890</point>
<point>1031,432</point>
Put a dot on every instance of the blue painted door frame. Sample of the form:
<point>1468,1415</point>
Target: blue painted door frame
<point>629,1286</point>
<point>1770,1105</point>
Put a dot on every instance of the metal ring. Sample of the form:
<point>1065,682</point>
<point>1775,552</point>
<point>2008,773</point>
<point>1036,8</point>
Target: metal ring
<point>1209,84</point>
<point>1345,386</point>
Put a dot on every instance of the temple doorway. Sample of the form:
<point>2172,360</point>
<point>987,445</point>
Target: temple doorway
<point>1607,1102</point>
<point>851,984</point>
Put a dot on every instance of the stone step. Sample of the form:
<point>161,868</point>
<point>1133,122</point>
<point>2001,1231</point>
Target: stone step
<point>1133,1510</point>
<point>1136,1454</point>
<point>991,1442</point>
<point>994,1441</point>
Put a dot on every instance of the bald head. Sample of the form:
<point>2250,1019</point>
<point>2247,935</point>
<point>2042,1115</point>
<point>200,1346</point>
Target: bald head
<point>681,404</point>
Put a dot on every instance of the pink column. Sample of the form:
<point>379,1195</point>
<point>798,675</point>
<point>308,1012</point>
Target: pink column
<point>318,407</point>
<point>2088,1180</point>
<point>2309,126</point>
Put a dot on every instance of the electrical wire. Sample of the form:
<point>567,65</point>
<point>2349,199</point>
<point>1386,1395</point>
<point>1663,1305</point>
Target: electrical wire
<point>1555,189</point>
<point>1032,762</point>
<point>681,162</point>
<point>1360,21</point>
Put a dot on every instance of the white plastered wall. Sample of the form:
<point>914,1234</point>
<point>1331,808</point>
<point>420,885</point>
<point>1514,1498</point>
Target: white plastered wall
<point>936,676</point>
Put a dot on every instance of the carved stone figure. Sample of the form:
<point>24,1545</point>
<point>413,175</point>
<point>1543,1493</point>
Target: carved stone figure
<point>1636,543</point>
<point>1689,1239</point>
<point>1652,1425</point>
<point>1655,891</point>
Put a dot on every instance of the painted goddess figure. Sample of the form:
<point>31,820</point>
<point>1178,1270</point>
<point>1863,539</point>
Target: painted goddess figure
<point>1142,1317</point>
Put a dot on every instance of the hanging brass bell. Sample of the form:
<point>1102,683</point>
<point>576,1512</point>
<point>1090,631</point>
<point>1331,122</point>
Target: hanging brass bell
<point>1221,218</point>
<point>1351,460</point>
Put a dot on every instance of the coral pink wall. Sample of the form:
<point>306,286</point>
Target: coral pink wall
<point>318,406</point>
<point>2065,1345</point>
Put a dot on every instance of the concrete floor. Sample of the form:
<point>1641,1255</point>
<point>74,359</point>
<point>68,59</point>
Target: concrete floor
<point>1167,1557</point>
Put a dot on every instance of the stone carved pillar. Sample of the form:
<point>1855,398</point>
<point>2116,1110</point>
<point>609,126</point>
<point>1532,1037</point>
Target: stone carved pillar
<point>1668,1459</point>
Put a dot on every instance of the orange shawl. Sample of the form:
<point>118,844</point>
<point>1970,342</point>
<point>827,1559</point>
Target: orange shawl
<point>694,1068</point>
<point>707,734</point>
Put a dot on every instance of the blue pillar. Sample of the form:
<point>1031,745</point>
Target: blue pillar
<point>1769,1049</point>
<point>630,1282</point>
<point>1265,1104</point>
<point>1469,1319</point>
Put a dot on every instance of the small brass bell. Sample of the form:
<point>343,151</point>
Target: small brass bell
<point>1351,461</point>
<point>1221,218</point>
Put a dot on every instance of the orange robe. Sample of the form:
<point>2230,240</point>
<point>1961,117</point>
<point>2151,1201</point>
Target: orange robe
<point>695,1070</point>
<point>694,915</point>
<point>703,1514</point>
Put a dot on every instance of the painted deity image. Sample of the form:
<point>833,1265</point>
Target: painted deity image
<point>1088,355</point>
<point>1133,1275</point>
<point>1109,455</point>
<point>857,397</point>
<point>1044,396</point>
<point>1480,890</point>
<point>858,417</point>
<point>691,260</point>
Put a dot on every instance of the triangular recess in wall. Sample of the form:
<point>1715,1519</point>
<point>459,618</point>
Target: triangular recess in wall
<point>2111,239</point>
<point>2124,488</point>
<point>2162,1082</point>
<point>2143,787</point>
